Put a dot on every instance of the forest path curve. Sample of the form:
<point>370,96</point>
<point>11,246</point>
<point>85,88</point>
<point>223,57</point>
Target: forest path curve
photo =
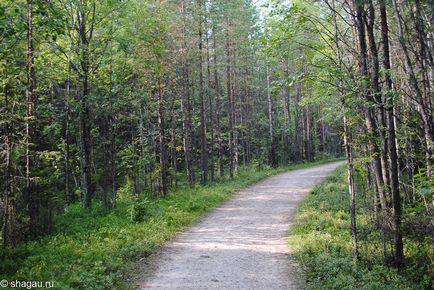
<point>243,243</point>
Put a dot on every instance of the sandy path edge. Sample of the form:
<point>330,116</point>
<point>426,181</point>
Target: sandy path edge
<point>242,244</point>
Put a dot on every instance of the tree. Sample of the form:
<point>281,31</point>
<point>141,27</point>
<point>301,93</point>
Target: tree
<point>203,139</point>
<point>31,139</point>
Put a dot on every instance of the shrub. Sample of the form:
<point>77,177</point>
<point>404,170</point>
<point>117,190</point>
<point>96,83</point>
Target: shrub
<point>138,210</point>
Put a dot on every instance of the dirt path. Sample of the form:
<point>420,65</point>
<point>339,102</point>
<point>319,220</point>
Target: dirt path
<point>243,243</point>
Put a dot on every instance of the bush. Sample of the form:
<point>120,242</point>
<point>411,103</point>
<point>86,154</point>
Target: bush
<point>138,210</point>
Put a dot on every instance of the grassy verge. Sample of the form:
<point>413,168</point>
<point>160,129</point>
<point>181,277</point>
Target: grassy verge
<point>322,242</point>
<point>95,249</point>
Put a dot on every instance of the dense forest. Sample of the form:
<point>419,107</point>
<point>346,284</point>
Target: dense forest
<point>107,101</point>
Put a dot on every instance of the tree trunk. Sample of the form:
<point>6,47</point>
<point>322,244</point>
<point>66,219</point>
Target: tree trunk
<point>173,142</point>
<point>376,97</point>
<point>32,100</point>
<point>393,156</point>
<point>112,149</point>
<point>85,121</point>
<point>247,126</point>
<point>234,107</point>
<point>86,183</point>
<point>218,95</point>
<point>144,168</point>
<point>297,138</point>
<point>203,141</point>
<point>186,105</point>
<point>211,111</point>
<point>272,153</point>
<point>348,149</point>
<point>369,119</point>
<point>230,103</point>
<point>351,187</point>
<point>289,138</point>
<point>308,143</point>
<point>162,139</point>
<point>8,177</point>
<point>68,195</point>
<point>113,164</point>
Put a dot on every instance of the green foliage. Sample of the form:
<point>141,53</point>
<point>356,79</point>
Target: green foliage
<point>424,184</point>
<point>138,210</point>
<point>322,241</point>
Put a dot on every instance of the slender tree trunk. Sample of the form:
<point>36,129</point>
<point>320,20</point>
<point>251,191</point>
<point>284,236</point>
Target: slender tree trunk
<point>393,156</point>
<point>8,177</point>
<point>203,139</point>
<point>250,121</point>
<point>32,100</point>
<point>144,167</point>
<point>186,104</point>
<point>247,125</point>
<point>287,101</point>
<point>8,192</point>
<point>162,139</point>
<point>68,195</point>
<point>308,133</point>
<point>272,157</point>
<point>86,182</point>
<point>369,118</point>
<point>85,35</point>
<point>311,134</point>
<point>230,103</point>
<point>135,175</point>
<point>234,106</point>
<point>173,142</point>
<point>218,95</point>
<point>351,187</point>
<point>348,149</point>
<point>377,96</point>
<point>211,111</point>
<point>297,138</point>
<point>113,153</point>
<point>113,164</point>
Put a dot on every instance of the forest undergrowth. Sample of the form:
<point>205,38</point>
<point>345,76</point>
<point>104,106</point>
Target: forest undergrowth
<point>96,248</point>
<point>322,241</point>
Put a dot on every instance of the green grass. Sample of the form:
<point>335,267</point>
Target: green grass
<point>97,248</point>
<point>322,242</point>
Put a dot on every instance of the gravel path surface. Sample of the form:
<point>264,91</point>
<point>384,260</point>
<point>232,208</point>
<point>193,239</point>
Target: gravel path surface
<point>242,244</point>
